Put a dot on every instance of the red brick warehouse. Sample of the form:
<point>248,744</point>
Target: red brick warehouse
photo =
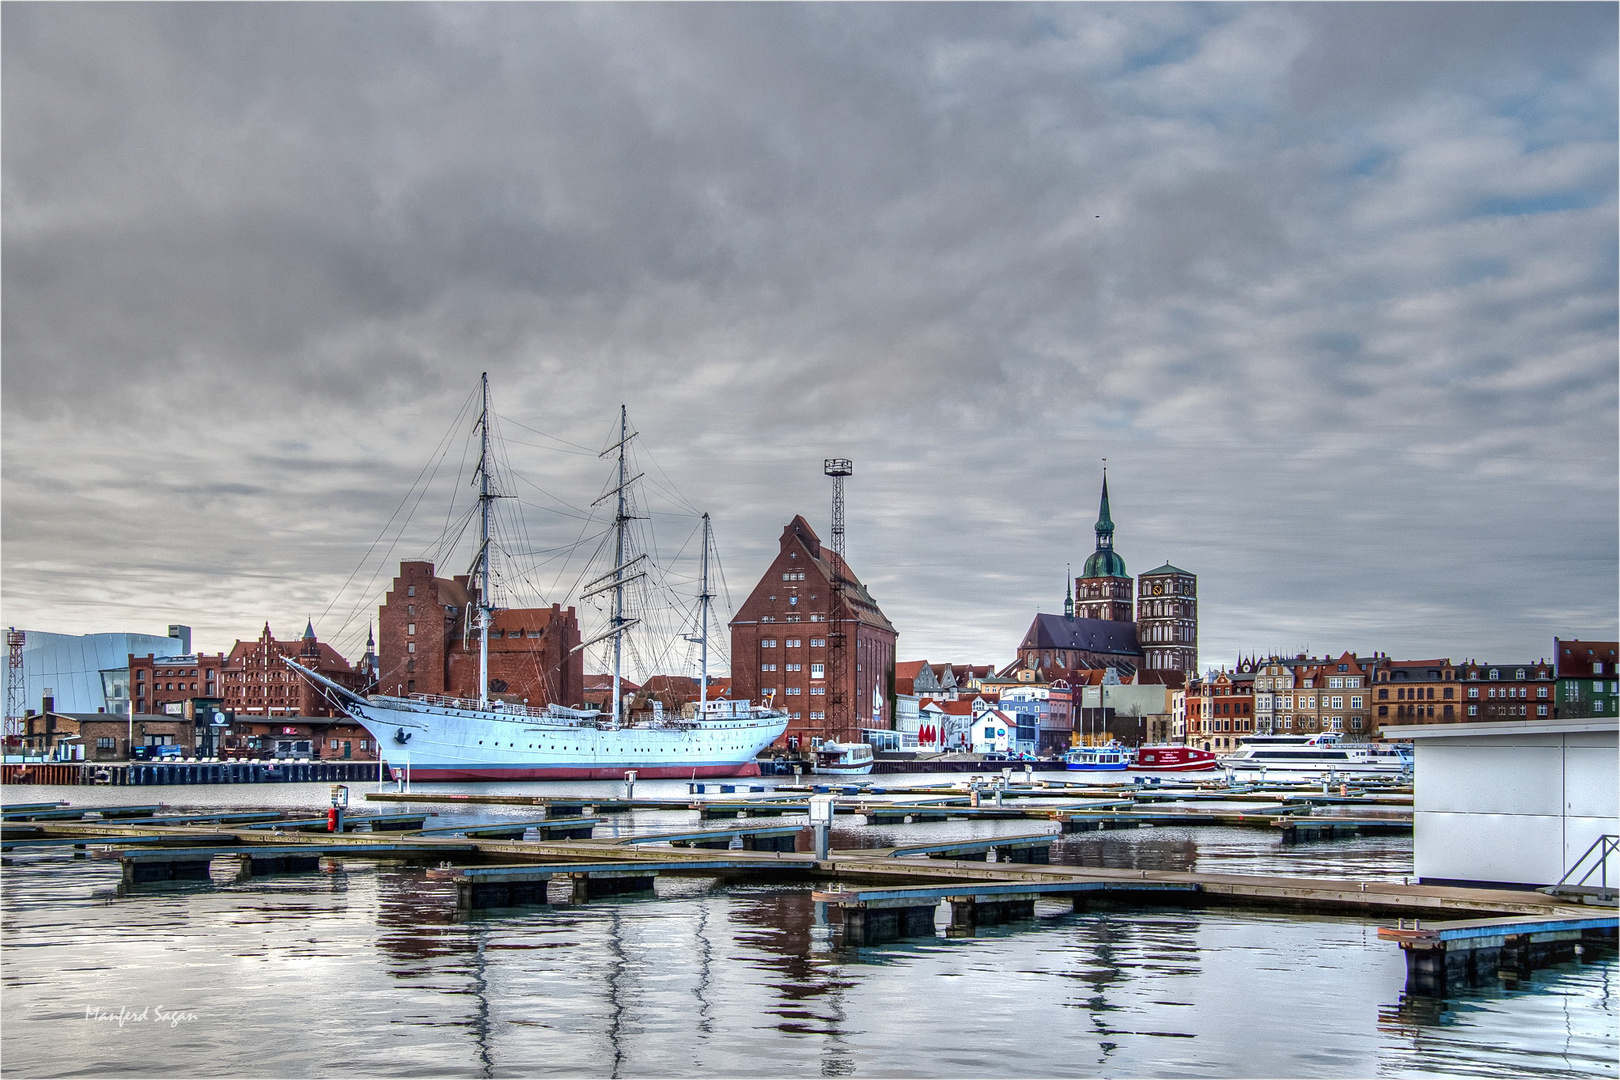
<point>784,632</point>
<point>427,643</point>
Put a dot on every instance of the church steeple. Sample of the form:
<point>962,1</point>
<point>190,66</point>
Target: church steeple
<point>1068,598</point>
<point>1105,587</point>
<point>1105,523</point>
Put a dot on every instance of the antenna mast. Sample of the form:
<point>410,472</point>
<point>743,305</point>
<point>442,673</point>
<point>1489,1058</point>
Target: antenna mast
<point>842,700</point>
<point>16,691</point>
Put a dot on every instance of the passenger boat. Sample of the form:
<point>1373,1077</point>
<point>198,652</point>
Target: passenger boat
<point>1172,759</point>
<point>1110,757</point>
<point>440,738</point>
<point>1316,754</point>
<point>843,759</point>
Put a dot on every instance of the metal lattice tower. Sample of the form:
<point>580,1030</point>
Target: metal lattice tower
<point>838,468</point>
<point>16,690</point>
<point>841,703</point>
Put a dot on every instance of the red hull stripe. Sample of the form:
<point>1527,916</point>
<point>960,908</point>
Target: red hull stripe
<point>441,773</point>
<point>1192,766</point>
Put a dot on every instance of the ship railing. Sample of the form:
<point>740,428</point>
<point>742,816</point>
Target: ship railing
<point>444,701</point>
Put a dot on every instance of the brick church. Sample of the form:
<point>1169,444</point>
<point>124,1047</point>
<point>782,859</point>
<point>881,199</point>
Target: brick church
<point>811,640</point>
<point>1149,625</point>
<point>427,643</point>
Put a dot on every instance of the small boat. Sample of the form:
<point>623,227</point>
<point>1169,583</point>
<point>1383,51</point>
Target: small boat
<point>1316,754</point>
<point>1172,759</point>
<point>1110,757</point>
<point>843,759</point>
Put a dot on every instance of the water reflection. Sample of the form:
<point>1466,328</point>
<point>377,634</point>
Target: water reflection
<point>1551,1023</point>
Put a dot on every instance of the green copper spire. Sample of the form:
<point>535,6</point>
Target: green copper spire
<point>1105,524</point>
<point>1105,561</point>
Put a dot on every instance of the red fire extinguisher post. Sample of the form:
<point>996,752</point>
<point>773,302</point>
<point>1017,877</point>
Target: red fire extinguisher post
<point>332,820</point>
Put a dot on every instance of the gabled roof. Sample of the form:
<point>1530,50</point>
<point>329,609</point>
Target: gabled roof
<point>798,534</point>
<point>1167,569</point>
<point>1091,635</point>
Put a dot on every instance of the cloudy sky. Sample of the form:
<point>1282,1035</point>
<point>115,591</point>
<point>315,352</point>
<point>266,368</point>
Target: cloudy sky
<point>1331,286</point>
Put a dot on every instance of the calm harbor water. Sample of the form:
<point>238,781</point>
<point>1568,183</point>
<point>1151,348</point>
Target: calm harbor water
<point>366,973</point>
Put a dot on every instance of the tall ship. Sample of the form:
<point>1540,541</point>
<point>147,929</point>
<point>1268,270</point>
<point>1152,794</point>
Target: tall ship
<point>441,738</point>
<point>1316,754</point>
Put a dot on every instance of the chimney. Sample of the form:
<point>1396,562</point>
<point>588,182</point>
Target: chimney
<point>48,702</point>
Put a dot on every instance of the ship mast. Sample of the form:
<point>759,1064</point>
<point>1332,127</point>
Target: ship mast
<point>703,627</point>
<point>485,608</point>
<point>618,570</point>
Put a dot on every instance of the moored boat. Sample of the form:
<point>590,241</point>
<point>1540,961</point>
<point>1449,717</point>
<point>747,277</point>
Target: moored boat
<point>843,759</point>
<point>1172,759</point>
<point>1110,757</point>
<point>1315,754</point>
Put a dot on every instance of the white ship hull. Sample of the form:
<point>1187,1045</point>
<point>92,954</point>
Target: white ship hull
<point>441,741</point>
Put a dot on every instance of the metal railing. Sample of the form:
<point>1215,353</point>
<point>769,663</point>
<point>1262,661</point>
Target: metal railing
<point>1604,846</point>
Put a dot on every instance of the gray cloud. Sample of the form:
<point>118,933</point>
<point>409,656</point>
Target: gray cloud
<point>1332,286</point>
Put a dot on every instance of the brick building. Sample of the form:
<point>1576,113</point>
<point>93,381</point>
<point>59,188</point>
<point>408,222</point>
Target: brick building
<point>255,682</point>
<point>160,683</point>
<point>428,643</point>
<point>1099,628</point>
<point>1167,619</point>
<point>1219,710</point>
<point>786,635</point>
<point>1522,691</point>
<point>1415,692</point>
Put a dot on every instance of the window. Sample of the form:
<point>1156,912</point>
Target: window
<point>767,667</point>
<point>793,691</point>
<point>1355,723</point>
<point>818,671</point>
<point>410,628</point>
<point>1383,695</point>
<point>1541,710</point>
<point>818,618</point>
<point>1336,684</point>
<point>1355,703</point>
<point>1353,683</point>
<point>795,667</point>
<point>822,690</point>
<point>410,646</point>
<point>1519,674</point>
<point>106,744</point>
<point>818,643</point>
<point>1338,703</point>
<point>1493,673</point>
<point>1473,692</point>
<point>1288,723</point>
<point>1344,667</point>
<point>794,643</point>
<point>1473,710</point>
<point>768,643</point>
<point>410,591</point>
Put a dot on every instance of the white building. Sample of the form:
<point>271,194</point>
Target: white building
<point>1512,802</point>
<point>992,732</point>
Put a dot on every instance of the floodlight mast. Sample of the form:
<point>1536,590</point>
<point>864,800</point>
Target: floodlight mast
<point>841,699</point>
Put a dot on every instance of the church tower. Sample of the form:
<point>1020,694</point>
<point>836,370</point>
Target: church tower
<point>1104,590</point>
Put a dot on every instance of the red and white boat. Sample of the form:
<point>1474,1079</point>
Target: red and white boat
<point>1172,759</point>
